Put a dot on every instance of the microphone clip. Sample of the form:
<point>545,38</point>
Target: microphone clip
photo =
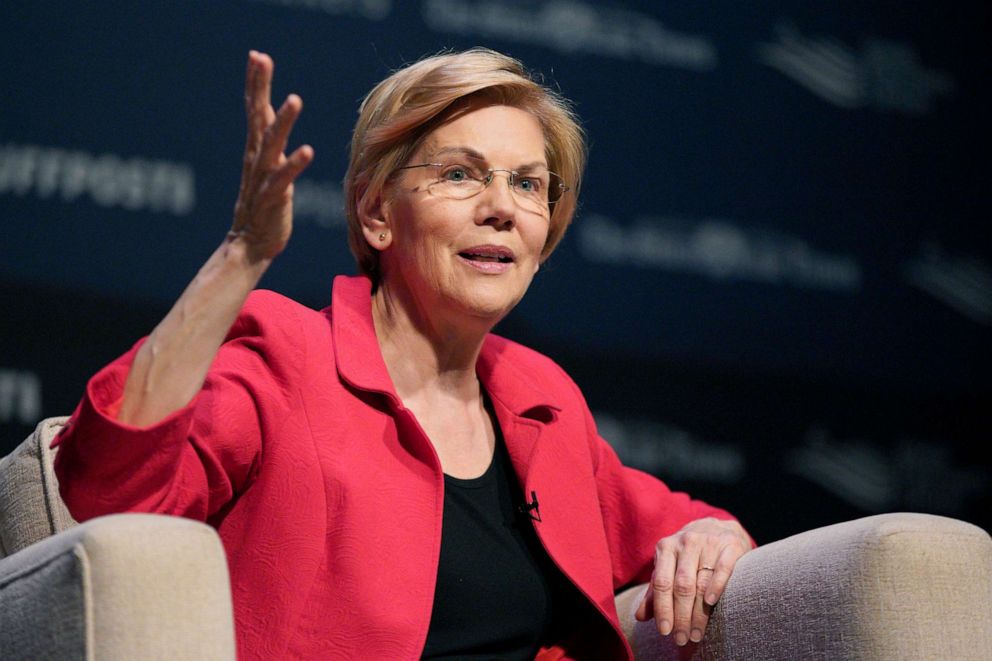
<point>531,509</point>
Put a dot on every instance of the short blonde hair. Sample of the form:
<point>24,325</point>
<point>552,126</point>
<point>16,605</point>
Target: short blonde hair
<point>401,110</point>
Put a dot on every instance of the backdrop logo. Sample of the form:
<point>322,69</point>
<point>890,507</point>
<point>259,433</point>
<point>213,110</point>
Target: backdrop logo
<point>717,249</point>
<point>374,10</point>
<point>915,474</point>
<point>319,203</point>
<point>883,75</point>
<point>571,26</point>
<point>964,284</point>
<point>20,397</point>
<point>108,180</point>
<point>668,451</point>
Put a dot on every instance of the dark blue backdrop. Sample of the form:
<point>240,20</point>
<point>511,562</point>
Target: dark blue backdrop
<point>778,290</point>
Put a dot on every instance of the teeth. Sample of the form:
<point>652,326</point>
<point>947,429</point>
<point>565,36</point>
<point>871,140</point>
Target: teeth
<point>484,258</point>
<point>481,257</point>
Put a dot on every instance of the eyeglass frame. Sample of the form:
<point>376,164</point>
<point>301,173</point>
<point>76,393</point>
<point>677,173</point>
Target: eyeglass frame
<point>513,174</point>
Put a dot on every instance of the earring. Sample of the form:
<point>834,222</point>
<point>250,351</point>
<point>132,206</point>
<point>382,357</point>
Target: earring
<point>382,237</point>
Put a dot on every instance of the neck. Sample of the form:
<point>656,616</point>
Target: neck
<point>425,354</point>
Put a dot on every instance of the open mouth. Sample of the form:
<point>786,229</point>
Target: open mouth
<point>476,257</point>
<point>493,254</point>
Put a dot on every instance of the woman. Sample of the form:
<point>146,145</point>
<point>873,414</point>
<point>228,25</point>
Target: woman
<point>389,479</point>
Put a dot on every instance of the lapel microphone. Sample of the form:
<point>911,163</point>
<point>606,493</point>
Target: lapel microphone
<point>531,508</point>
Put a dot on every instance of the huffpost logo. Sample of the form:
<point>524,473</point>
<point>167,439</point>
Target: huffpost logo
<point>108,180</point>
<point>20,396</point>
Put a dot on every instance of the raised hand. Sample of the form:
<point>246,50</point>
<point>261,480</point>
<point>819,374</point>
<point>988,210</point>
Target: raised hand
<point>171,366</point>
<point>263,214</point>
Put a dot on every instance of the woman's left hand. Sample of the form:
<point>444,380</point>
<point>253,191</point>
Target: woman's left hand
<point>691,569</point>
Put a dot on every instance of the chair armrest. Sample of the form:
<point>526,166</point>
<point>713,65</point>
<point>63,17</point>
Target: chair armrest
<point>125,586</point>
<point>892,586</point>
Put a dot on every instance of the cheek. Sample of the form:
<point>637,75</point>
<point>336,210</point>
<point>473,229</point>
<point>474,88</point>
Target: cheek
<point>536,239</point>
<point>428,246</point>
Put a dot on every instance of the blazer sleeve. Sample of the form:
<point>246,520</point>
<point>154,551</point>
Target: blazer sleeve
<point>638,509</point>
<point>195,461</point>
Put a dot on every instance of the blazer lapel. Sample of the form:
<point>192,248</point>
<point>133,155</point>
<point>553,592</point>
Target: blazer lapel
<point>523,411</point>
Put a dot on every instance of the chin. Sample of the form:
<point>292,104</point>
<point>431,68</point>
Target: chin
<point>484,303</point>
<point>491,311</point>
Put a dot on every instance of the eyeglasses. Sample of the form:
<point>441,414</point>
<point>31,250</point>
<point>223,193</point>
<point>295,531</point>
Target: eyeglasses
<point>535,190</point>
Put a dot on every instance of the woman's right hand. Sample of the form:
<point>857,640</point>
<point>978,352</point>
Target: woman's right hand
<point>171,366</point>
<point>263,214</point>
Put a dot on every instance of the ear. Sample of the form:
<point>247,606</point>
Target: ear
<point>373,215</point>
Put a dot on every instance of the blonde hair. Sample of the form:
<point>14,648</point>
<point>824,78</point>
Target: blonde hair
<point>401,110</point>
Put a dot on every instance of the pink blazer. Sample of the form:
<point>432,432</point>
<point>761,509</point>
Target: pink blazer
<point>328,495</point>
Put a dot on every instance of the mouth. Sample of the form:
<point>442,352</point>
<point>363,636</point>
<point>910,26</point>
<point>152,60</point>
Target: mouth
<point>492,254</point>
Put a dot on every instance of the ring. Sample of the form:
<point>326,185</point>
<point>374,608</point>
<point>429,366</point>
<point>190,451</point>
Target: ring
<point>704,568</point>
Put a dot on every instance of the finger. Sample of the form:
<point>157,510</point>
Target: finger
<point>645,610</point>
<point>277,134</point>
<point>662,587</point>
<point>684,596</point>
<point>255,115</point>
<point>700,609</point>
<point>258,80</point>
<point>700,618</point>
<point>250,78</point>
<point>295,163</point>
<point>250,137</point>
<point>722,569</point>
<point>260,117</point>
<point>258,104</point>
<point>262,89</point>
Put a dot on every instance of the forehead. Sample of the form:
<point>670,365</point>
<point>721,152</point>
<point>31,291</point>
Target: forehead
<point>500,134</point>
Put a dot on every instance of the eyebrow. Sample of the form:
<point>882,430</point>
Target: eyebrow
<point>476,155</point>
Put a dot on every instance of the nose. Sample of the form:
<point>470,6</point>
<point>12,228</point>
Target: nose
<point>498,203</point>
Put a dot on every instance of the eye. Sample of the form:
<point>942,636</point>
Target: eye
<point>530,185</point>
<point>457,173</point>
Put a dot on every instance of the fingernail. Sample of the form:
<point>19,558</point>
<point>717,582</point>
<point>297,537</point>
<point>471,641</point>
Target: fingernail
<point>696,635</point>
<point>665,627</point>
<point>711,599</point>
<point>680,639</point>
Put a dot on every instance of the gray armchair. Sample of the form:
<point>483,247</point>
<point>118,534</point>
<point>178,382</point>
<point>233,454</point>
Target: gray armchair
<point>128,586</point>
<point>894,586</point>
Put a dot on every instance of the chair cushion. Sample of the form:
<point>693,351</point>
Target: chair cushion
<point>900,585</point>
<point>123,586</point>
<point>30,506</point>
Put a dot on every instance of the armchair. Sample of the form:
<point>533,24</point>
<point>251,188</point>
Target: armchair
<point>893,586</point>
<point>127,586</point>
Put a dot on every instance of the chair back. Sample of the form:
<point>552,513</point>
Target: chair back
<point>30,507</point>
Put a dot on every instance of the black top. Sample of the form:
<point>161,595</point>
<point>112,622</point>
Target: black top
<point>498,594</point>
